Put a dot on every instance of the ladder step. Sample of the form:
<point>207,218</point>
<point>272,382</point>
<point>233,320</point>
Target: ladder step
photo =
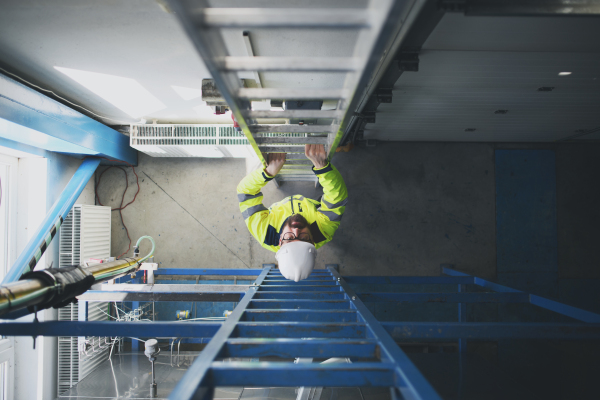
<point>306,295</point>
<point>328,64</point>
<point>297,157</point>
<point>311,281</point>
<point>297,178</point>
<point>296,172</point>
<point>299,304</point>
<point>281,128</point>
<point>285,18</point>
<point>349,330</point>
<point>269,374</point>
<point>282,149</point>
<point>308,114</point>
<point>293,94</point>
<point>292,348</point>
<point>291,140</point>
<point>293,163</point>
<point>301,288</point>
<point>299,315</point>
<point>300,167</point>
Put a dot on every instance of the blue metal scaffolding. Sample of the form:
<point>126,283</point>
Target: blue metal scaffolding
<point>322,317</point>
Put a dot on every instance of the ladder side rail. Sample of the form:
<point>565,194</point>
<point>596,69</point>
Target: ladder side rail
<point>371,45</point>
<point>561,308</point>
<point>195,383</point>
<point>359,101</point>
<point>210,46</point>
<point>410,382</point>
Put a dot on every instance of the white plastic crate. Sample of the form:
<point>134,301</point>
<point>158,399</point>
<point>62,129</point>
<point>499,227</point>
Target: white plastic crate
<point>180,140</point>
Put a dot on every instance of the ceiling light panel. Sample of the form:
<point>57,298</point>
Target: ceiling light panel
<point>127,94</point>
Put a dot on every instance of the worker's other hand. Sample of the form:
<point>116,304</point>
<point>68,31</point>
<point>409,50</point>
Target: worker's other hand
<point>275,162</point>
<point>316,153</point>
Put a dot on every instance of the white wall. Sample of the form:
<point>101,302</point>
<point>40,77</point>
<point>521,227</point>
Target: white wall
<point>41,181</point>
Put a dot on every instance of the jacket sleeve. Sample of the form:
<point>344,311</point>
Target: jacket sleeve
<point>255,214</point>
<point>333,202</point>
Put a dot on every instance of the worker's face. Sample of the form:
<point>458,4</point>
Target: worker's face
<point>295,229</point>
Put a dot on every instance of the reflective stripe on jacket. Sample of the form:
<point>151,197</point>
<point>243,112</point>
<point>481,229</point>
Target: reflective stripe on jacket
<point>323,217</point>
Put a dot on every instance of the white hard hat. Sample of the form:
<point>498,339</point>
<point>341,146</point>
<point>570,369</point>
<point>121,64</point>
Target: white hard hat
<point>296,260</point>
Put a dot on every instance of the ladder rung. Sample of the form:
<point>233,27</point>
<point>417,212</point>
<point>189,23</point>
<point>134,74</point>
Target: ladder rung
<point>297,172</point>
<point>285,18</point>
<point>350,330</point>
<point>297,157</point>
<point>269,374</point>
<point>297,178</point>
<point>292,348</point>
<point>295,163</point>
<point>330,64</point>
<point>282,149</point>
<point>284,128</point>
<point>306,295</point>
<point>299,304</point>
<point>299,315</point>
<point>307,114</point>
<point>293,94</point>
<point>300,288</point>
<point>292,140</point>
<point>312,280</point>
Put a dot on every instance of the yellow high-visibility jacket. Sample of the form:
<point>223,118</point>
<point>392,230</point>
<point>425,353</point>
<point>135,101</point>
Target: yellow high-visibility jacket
<point>323,217</point>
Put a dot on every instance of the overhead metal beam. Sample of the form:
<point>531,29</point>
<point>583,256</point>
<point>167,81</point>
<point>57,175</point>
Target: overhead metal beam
<point>40,115</point>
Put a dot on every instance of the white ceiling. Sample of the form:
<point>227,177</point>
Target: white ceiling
<point>472,66</point>
<point>139,39</point>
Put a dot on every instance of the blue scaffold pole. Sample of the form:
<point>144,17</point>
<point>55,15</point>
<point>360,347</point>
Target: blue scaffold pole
<point>40,241</point>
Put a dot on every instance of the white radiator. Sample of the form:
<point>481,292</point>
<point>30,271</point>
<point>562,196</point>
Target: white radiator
<point>170,140</point>
<point>84,234</point>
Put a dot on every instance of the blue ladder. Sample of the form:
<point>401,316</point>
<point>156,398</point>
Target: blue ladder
<point>274,319</point>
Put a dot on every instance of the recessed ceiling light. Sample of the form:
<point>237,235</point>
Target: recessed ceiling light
<point>187,93</point>
<point>124,93</point>
<point>564,73</point>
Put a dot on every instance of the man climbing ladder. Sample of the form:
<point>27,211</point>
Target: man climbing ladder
<point>296,226</point>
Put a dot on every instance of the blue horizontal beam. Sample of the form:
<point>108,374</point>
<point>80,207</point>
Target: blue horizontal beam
<point>107,328</point>
<point>295,315</point>
<point>300,288</point>
<point>292,348</point>
<point>299,304</point>
<point>491,330</point>
<point>445,297</point>
<point>208,271</point>
<point>51,224</point>
<point>302,374</point>
<point>306,295</point>
<point>300,330</point>
<point>566,310</point>
<point>408,280</point>
<point>60,127</point>
<point>317,282</point>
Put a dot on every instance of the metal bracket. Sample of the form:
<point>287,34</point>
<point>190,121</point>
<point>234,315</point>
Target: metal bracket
<point>384,95</point>
<point>409,61</point>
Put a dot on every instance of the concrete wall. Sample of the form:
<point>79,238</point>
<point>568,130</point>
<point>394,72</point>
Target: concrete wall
<point>411,207</point>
